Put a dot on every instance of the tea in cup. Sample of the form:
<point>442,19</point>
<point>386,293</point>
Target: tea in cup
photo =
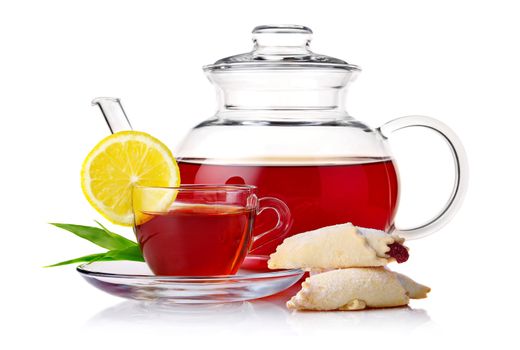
<point>201,230</point>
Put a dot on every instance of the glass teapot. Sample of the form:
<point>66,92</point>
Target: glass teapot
<point>281,124</point>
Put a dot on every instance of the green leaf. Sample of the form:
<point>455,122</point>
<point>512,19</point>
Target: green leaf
<point>120,248</point>
<point>130,253</point>
<point>99,236</point>
<point>129,243</point>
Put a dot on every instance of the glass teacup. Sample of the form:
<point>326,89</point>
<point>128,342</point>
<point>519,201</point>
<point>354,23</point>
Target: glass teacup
<point>201,230</point>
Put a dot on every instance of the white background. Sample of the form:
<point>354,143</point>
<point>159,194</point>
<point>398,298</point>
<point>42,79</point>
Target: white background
<point>454,60</point>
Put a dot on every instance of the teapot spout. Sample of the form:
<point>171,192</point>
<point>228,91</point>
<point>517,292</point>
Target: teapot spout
<point>113,112</point>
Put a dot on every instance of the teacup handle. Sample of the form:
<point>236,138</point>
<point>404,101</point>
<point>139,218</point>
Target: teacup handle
<point>283,223</point>
<point>461,172</point>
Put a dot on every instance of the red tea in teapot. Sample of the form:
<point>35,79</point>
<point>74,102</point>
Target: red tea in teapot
<point>358,190</point>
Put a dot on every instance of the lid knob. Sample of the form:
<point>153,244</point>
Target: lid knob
<point>282,39</point>
<point>283,46</point>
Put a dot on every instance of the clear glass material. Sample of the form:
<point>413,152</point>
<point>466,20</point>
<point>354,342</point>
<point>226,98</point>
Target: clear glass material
<point>113,112</point>
<point>134,280</point>
<point>282,125</point>
<point>201,230</point>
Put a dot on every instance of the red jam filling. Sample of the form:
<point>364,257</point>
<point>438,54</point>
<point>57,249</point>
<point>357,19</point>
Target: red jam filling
<point>398,252</point>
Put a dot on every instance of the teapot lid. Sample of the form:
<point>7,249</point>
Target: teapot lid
<point>280,47</point>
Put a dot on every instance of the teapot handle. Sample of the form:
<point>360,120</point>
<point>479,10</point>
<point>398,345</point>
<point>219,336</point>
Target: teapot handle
<point>461,172</point>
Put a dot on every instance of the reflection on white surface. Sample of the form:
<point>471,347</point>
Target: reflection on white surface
<point>268,314</point>
<point>395,319</point>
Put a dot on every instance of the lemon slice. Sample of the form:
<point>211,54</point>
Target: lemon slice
<point>119,162</point>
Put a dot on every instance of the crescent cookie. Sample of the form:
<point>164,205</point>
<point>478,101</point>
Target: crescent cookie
<point>337,246</point>
<point>356,289</point>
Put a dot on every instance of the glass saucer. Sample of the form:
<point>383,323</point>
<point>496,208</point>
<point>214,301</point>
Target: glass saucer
<point>134,280</point>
